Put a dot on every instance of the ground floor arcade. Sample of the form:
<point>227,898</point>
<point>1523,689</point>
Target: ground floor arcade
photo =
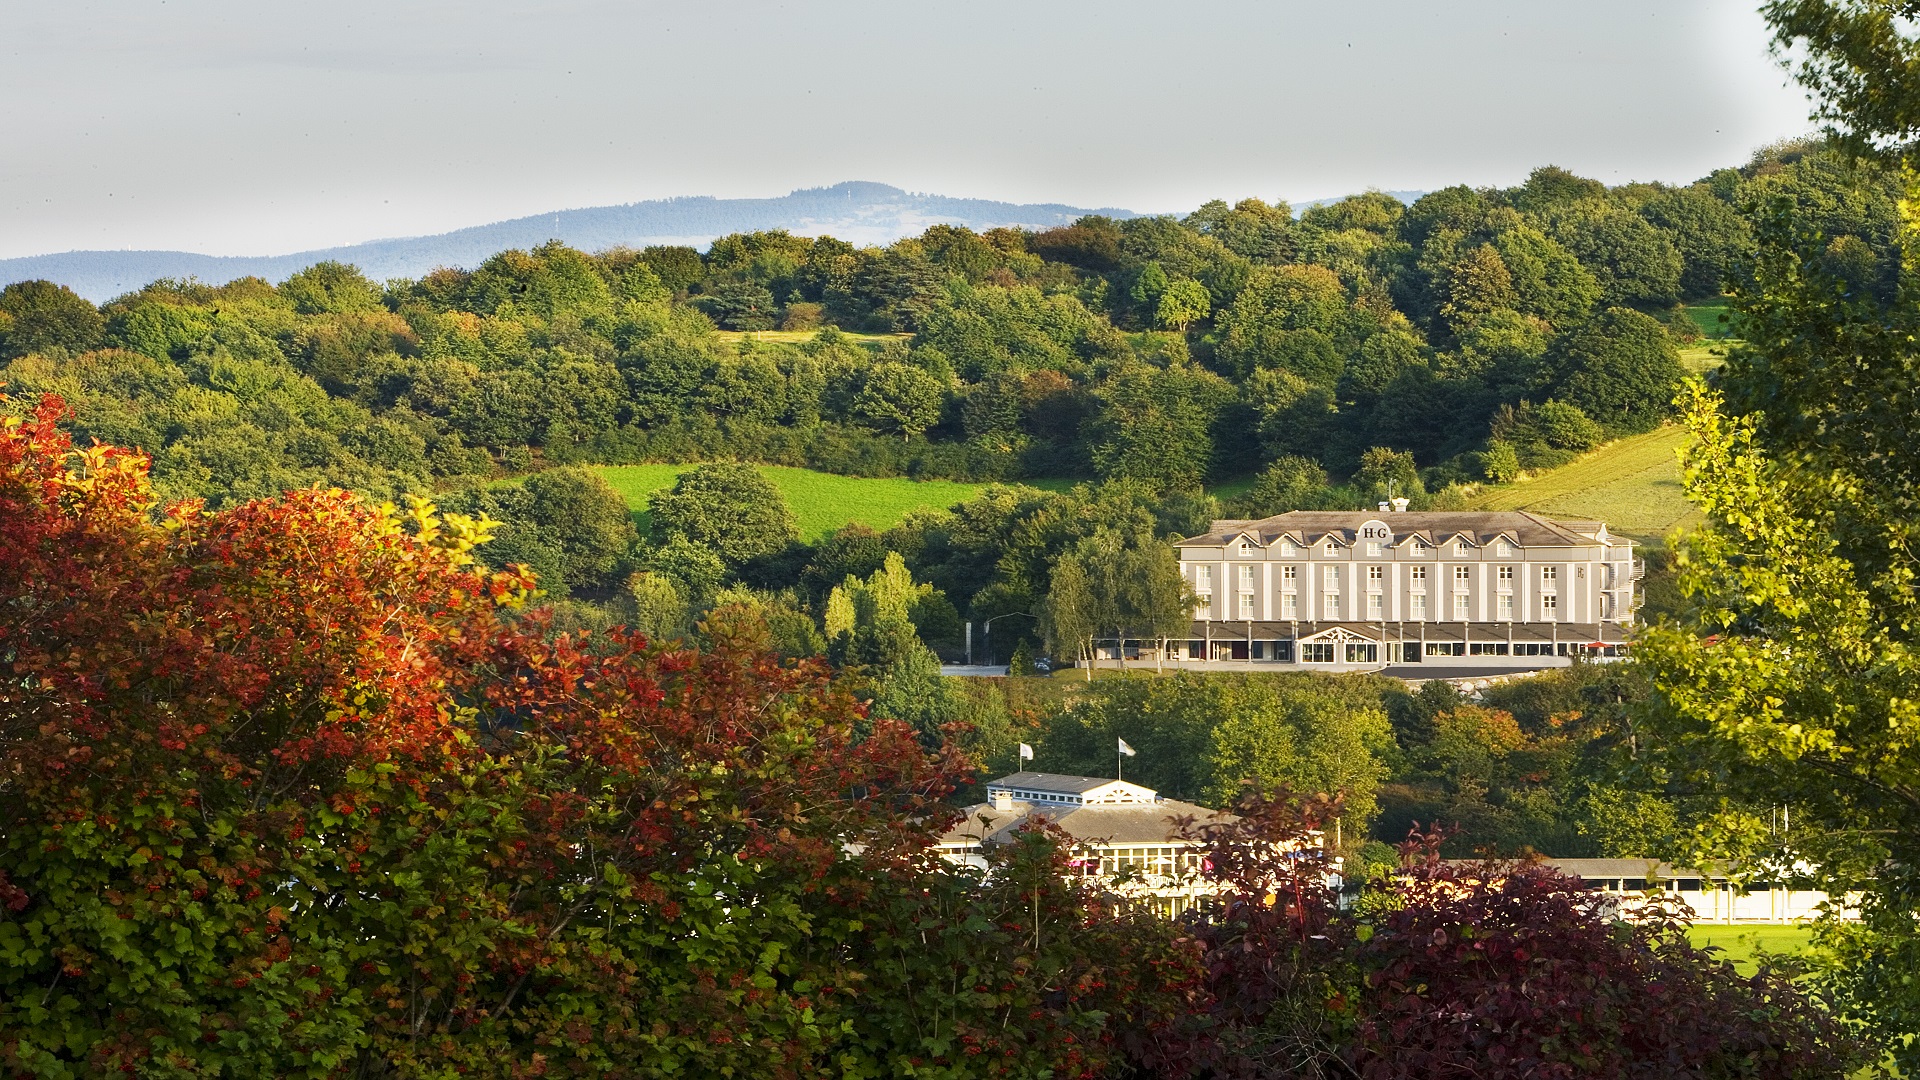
<point>1348,646</point>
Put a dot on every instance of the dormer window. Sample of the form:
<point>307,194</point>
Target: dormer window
<point>1247,547</point>
<point>1459,549</point>
<point>1417,547</point>
<point>1330,548</point>
<point>1503,549</point>
<point>1287,550</point>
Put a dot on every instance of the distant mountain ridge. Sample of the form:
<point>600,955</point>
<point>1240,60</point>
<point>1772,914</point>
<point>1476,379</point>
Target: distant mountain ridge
<point>860,212</point>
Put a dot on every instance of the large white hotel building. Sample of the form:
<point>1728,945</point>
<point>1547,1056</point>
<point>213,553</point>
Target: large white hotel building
<point>1358,590</point>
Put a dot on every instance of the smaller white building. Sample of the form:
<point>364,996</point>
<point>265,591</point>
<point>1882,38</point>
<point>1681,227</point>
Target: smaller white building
<point>1124,832</point>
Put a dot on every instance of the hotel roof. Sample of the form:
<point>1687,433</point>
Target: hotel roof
<point>1435,527</point>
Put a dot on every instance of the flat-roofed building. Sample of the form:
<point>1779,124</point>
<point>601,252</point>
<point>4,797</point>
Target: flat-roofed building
<point>1356,590</point>
<point>1711,895</point>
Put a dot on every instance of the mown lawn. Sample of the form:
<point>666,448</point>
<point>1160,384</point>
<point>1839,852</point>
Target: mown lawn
<point>1743,943</point>
<point>1705,356</point>
<point>1632,484</point>
<point>1707,316</point>
<point>821,502</point>
<point>795,337</point>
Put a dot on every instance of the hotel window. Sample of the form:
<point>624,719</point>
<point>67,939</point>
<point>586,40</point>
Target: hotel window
<point>1247,547</point>
<point>1373,549</point>
<point>1287,550</point>
<point>1460,549</point>
<point>1461,576</point>
<point>1506,607</point>
<point>1331,577</point>
<point>1419,606</point>
<point>1289,606</point>
<point>1289,577</point>
<point>1503,549</point>
<point>1246,578</point>
<point>1418,575</point>
<point>1375,575</point>
<point>1549,575</point>
<point>1203,579</point>
<point>1416,548</point>
<point>1246,605</point>
<point>1317,652</point>
<point>1375,608</point>
<point>1550,604</point>
<point>1362,652</point>
<point>1505,577</point>
<point>1460,609</point>
<point>1330,549</point>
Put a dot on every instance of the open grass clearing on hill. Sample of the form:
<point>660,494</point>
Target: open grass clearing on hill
<point>821,502</point>
<point>1705,356</point>
<point>1707,315</point>
<point>797,337</point>
<point>1743,943</point>
<point>1632,484</point>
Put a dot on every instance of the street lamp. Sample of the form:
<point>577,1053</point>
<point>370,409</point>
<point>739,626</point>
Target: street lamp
<point>986,631</point>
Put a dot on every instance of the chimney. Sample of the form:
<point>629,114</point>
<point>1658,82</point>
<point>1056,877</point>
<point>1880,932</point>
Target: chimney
<point>1383,506</point>
<point>1400,506</point>
<point>1003,800</point>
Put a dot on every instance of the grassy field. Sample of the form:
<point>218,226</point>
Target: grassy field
<point>1707,317</point>
<point>795,337</point>
<point>821,502</point>
<point>1741,944</point>
<point>1632,484</point>
<point>1228,489</point>
<point>1705,356</point>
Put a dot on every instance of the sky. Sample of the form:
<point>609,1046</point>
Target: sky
<point>261,127</point>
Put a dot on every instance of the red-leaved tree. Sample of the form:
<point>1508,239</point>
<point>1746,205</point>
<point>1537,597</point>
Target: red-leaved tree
<point>298,789</point>
<point>288,791</point>
<point>1495,970</point>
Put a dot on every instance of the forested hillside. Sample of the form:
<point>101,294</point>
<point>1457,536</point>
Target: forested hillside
<point>1317,358</point>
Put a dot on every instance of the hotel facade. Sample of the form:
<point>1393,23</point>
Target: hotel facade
<point>1339,590</point>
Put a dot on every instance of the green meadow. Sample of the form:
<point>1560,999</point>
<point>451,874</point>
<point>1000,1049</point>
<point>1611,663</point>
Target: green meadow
<point>1632,484</point>
<point>798,337</point>
<point>821,502</point>
<point>1744,944</point>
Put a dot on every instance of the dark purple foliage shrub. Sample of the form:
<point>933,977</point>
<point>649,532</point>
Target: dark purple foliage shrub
<point>1486,970</point>
<point>1493,970</point>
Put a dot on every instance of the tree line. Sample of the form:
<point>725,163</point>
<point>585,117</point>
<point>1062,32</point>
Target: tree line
<point>1472,333</point>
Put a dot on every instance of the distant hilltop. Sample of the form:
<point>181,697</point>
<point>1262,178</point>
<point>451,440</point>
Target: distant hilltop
<point>857,211</point>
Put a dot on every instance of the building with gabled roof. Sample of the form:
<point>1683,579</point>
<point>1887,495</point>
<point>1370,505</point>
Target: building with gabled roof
<point>1364,590</point>
<point>1122,831</point>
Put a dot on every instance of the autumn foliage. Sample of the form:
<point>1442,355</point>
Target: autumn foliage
<point>298,789</point>
<point>1497,970</point>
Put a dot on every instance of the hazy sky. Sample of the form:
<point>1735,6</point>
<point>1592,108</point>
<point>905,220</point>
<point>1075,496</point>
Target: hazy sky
<point>265,126</point>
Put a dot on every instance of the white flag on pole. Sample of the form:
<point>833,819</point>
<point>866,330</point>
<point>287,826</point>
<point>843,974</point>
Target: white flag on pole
<point>1124,748</point>
<point>1026,752</point>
